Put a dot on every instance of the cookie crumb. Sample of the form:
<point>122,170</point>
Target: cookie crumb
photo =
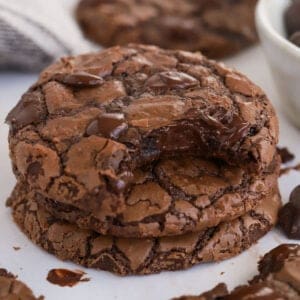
<point>16,248</point>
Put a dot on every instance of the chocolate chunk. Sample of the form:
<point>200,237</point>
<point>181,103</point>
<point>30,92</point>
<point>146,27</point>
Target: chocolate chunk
<point>289,216</point>
<point>171,80</point>
<point>82,79</point>
<point>108,125</point>
<point>64,277</point>
<point>295,38</point>
<point>29,110</point>
<point>292,19</point>
<point>285,155</point>
<point>182,136</point>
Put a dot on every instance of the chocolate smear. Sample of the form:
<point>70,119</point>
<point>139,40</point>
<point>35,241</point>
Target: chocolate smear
<point>64,277</point>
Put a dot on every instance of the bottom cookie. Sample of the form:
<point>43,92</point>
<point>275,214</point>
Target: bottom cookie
<point>126,256</point>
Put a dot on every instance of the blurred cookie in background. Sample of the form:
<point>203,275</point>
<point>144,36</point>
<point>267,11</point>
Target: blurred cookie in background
<point>216,27</point>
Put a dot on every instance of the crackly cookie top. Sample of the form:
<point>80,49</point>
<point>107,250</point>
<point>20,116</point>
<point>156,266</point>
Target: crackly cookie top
<point>174,197</point>
<point>94,118</point>
<point>216,27</point>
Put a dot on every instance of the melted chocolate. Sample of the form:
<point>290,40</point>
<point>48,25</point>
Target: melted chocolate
<point>171,80</point>
<point>28,110</point>
<point>64,277</point>
<point>202,136</point>
<point>108,125</point>
<point>79,79</point>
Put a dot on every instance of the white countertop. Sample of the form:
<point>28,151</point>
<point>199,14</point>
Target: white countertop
<point>32,264</point>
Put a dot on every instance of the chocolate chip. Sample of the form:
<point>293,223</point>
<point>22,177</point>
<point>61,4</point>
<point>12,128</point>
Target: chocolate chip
<point>79,79</point>
<point>285,155</point>
<point>292,19</point>
<point>171,80</point>
<point>107,125</point>
<point>35,169</point>
<point>295,38</point>
<point>29,110</point>
<point>92,128</point>
<point>289,216</point>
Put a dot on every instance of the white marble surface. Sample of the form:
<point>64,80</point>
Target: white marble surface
<point>32,264</point>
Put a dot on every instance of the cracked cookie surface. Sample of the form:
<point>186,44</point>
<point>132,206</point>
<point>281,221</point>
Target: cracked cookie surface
<point>90,121</point>
<point>126,256</point>
<point>215,27</point>
<point>175,197</point>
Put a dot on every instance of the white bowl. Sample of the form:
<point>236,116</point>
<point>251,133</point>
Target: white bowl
<point>282,55</point>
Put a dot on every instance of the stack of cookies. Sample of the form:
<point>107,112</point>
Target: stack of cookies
<point>137,160</point>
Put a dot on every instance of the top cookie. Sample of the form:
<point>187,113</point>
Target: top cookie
<point>215,27</point>
<point>96,117</point>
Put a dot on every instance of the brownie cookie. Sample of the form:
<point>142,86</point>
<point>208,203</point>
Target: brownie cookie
<point>140,256</point>
<point>176,197</point>
<point>215,27</point>
<point>91,120</point>
<point>279,279</point>
<point>13,289</point>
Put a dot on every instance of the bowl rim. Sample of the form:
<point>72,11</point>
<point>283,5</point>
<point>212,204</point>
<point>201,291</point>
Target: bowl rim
<point>263,23</point>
